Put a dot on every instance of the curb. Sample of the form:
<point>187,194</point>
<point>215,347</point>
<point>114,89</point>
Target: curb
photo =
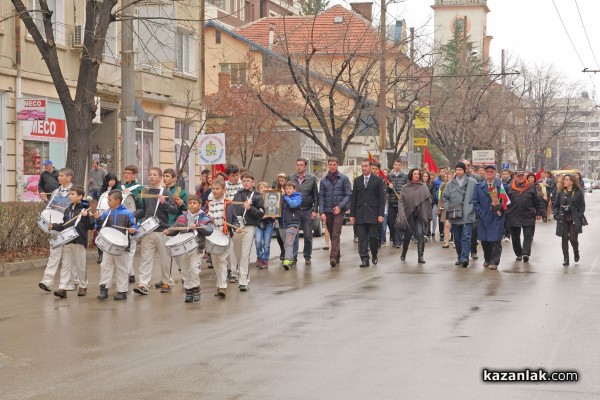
<point>26,265</point>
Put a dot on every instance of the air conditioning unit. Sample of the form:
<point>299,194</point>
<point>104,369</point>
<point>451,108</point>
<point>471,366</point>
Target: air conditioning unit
<point>77,41</point>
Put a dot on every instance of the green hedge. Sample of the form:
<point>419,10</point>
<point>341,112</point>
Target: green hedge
<point>18,227</point>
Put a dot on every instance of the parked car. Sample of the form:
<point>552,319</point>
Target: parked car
<point>596,184</point>
<point>588,185</point>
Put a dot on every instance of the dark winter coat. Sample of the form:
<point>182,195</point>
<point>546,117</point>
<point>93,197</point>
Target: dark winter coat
<point>334,191</point>
<point>48,181</point>
<point>84,225</point>
<point>398,181</point>
<point>523,207</point>
<point>454,193</point>
<point>367,203</point>
<point>255,212</point>
<point>308,190</point>
<point>490,225</point>
<point>577,207</point>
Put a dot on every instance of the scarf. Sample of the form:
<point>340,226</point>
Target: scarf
<point>415,197</point>
<point>518,189</point>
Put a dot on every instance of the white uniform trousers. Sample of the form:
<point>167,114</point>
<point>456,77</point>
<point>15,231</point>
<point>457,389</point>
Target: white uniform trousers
<point>118,264</point>
<point>190,268</point>
<point>151,243</point>
<point>232,260</point>
<point>74,262</point>
<point>219,262</point>
<point>52,267</point>
<point>243,242</point>
<point>130,255</point>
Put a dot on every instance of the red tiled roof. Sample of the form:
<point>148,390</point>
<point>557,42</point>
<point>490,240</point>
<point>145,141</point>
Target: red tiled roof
<point>335,30</point>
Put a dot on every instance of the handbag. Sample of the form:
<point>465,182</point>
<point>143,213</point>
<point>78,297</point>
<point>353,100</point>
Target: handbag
<point>455,210</point>
<point>584,220</point>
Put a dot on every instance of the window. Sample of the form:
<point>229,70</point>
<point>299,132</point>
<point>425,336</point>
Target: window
<point>184,133</point>
<point>146,155</point>
<point>110,53</point>
<point>218,37</point>
<point>58,18</point>
<point>594,125</point>
<point>237,71</point>
<point>185,52</point>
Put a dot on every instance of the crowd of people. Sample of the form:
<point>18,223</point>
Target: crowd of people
<point>231,213</point>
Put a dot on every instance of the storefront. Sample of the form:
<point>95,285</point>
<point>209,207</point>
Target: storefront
<point>42,140</point>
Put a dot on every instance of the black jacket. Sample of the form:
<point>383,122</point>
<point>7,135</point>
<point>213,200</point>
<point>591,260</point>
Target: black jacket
<point>576,206</point>
<point>85,224</point>
<point>256,212</point>
<point>162,212</point>
<point>398,181</point>
<point>48,181</point>
<point>523,207</point>
<point>308,190</point>
<point>367,203</point>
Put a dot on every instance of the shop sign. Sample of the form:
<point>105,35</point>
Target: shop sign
<point>51,130</point>
<point>31,109</point>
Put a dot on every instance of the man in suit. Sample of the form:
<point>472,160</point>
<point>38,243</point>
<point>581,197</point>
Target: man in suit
<point>367,209</point>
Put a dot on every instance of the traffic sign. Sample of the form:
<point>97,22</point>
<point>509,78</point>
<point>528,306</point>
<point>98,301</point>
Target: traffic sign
<point>505,166</point>
<point>420,142</point>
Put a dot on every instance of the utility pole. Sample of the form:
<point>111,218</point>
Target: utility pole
<point>503,139</point>
<point>382,81</point>
<point>411,71</point>
<point>128,86</point>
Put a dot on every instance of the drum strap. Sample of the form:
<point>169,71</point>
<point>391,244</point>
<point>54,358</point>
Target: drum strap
<point>250,200</point>
<point>106,219</point>
<point>158,202</point>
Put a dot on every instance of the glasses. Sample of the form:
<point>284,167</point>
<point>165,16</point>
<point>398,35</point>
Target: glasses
<point>127,173</point>
<point>247,180</point>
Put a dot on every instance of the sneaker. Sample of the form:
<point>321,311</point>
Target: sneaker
<point>506,239</point>
<point>165,288</point>
<point>221,293</point>
<point>62,293</point>
<point>355,239</point>
<point>474,256</point>
<point>264,265</point>
<point>189,296</point>
<point>158,284</point>
<point>519,258</point>
<point>525,258</point>
<point>243,288</point>
<point>287,264</point>
<point>45,286</point>
<point>493,267</point>
<point>131,278</point>
<point>465,264</point>
<point>258,262</point>
<point>120,296</point>
<point>72,286</point>
<point>82,292</point>
<point>333,262</point>
<point>325,247</point>
<point>233,279</point>
<point>141,289</point>
<point>486,264</point>
<point>307,261</point>
<point>445,246</point>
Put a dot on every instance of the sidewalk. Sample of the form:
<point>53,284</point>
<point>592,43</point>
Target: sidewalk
<point>26,265</point>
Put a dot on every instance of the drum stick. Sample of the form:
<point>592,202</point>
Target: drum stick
<point>75,217</point>
<point>241,203</point>
<point>55,206</point>
<point>184,228</point>
<point>233,226</point>
<point>150,196</point>
<point>118,227</point>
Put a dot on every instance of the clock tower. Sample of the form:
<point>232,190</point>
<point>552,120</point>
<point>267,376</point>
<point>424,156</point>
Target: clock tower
<point>449,15</point>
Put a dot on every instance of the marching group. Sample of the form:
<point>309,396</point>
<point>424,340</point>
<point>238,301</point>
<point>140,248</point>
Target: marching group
<point>231,212</point>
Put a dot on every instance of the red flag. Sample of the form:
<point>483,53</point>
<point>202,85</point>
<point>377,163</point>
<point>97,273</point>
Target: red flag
<point>216,168</point>
<point>429,160</point>
<point>373,161</point>
<point>538,175</point>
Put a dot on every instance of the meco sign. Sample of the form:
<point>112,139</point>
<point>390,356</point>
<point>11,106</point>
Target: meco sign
<point>50,130</point>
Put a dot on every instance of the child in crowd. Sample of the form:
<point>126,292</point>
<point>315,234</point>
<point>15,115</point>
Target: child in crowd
<point>290,221</point>
<point>117,215</point>
<point>264,232</point>
<point>220,211</point>
<point>195,219</point>
<point>74,252</point>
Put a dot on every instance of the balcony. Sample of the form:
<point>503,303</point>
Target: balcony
<point>154,83</point>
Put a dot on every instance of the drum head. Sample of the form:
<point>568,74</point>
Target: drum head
<point>52,216</point>
<point>129,202</point>
<point>103,203</point>
<point>218,238</point>
<point>181,238</point>
<point>114,236</point>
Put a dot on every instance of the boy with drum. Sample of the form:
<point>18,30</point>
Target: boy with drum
<point>118,216</point>
<point>59,202</point>
<point>131,186</point>
<point>156,203</point>
<point>220,212</point>
<point>195,220</point>
<point>74,253</point>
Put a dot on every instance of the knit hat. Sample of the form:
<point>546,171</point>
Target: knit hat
<point>461,165</point>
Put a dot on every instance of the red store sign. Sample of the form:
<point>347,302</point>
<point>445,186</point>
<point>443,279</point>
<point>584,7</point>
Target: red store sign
<point>50,130</point>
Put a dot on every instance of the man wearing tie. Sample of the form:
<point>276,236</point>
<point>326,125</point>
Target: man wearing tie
<point>366,211</point>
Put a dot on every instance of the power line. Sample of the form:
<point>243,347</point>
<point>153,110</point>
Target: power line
<point>586,34</point>
<point>567,32</point>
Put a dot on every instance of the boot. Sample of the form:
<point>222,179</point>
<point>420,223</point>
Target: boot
<point>421,250</point>
<point>99,260</point>
<point>196,294</point>
<point>103,293</point>
<point>576,255</point>
<point>566,261</point>
<point>189,296</point>
<point>404,251</point>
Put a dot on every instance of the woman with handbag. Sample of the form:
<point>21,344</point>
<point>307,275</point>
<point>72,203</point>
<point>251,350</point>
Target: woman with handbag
<point>414,212</point>
<point>568,210</point>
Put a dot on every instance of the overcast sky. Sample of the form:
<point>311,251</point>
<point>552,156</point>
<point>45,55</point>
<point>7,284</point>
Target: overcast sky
<point>530,30</point>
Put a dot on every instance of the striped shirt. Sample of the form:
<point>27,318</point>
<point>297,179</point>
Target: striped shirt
<point>231,189</point>
<point>216,211</point>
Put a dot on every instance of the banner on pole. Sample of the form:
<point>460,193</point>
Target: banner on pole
<point>211,149</point>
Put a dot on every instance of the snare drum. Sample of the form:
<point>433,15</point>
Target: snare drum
<point>128,202</point>
<point>111,241</point>
<point>103,203</point>
<point>146,228</point>
<point>47,217</point>
<point>217,242</point>
<point>181,244</point>
<point>64,237</point>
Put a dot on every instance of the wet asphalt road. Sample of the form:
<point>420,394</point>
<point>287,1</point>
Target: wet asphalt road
<point>394,331</point>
